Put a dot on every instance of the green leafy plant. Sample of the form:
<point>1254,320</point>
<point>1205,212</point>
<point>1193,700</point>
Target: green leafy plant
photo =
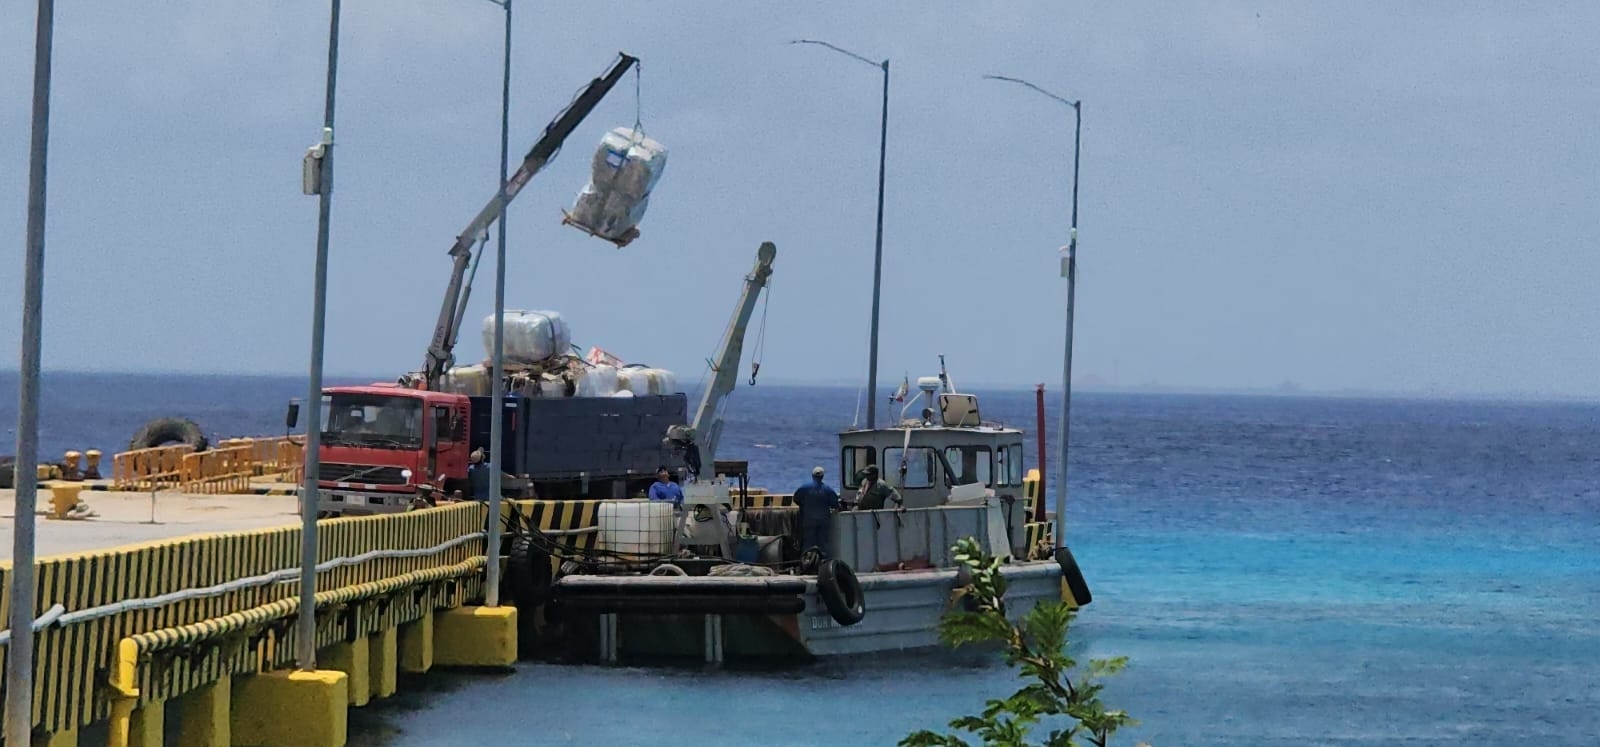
<point>1056,693</point>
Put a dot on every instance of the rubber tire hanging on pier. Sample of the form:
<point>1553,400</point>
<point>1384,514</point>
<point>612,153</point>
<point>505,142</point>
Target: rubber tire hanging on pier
<point>841,592</point>
<point>163,431</point>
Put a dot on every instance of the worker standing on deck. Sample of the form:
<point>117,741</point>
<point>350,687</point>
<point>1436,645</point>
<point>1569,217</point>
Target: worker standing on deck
<point>875,493</point>
<point>478,475</point>
<point>664,489</point>
<point>816,502</point>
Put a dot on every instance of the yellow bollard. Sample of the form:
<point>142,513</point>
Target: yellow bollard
<point>63,499</point>
<point>69,467</point>
<point>92,471</point>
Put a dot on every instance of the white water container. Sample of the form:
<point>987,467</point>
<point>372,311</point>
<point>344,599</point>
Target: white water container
<point>638,528</point>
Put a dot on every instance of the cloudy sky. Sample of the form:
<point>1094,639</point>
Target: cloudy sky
<point>1343,195</point>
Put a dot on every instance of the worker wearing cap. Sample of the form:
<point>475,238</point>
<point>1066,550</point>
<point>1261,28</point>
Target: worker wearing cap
<point>478,475</point>
<point>664,489</point>
<point>875,493</point>
<point>816,502</point>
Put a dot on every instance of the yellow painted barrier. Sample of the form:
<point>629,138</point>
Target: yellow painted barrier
<point>226,469</point>
<point>73,658</point>
<point>149,469</point>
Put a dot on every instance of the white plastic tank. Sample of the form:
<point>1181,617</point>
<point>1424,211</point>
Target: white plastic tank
<point>636,528</point>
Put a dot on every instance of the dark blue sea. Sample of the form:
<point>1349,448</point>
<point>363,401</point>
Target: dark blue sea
<point>1281,571</point>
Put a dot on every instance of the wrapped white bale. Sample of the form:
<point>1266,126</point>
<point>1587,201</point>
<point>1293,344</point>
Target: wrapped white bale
<point>642,380</point>
<point>472,381</point>
<point>625,169</point>
<point>595,381</point>
<point>530,336</point>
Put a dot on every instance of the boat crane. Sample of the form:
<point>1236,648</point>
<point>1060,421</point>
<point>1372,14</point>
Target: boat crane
<point>441,350</point>
<point>698,439</point>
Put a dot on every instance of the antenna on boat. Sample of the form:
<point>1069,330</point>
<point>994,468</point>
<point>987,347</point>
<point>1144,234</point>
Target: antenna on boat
<point>944,377</point>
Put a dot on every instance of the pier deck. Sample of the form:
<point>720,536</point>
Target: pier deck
<point>124,519</point>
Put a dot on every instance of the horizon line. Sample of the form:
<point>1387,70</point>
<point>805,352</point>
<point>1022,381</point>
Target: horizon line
<point>1099,387</point>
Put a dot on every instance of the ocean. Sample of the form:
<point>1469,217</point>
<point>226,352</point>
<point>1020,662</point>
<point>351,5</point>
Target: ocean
<point>1279,570</point>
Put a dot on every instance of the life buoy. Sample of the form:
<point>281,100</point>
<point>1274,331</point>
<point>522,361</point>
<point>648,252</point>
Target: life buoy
<point>841,592</point>
<point>527,573</point>
<point>1073,577</point>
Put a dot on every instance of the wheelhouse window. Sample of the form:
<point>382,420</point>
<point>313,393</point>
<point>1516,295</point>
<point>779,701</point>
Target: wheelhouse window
<point>373,420</point>
<point>919,464</point>
<point>1008,465</point>
<point>970,464</point>
<point>855,459</point>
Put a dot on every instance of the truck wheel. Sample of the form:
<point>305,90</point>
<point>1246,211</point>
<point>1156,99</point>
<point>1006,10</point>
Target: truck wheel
<point>527,573</point>
<point>163,431</point>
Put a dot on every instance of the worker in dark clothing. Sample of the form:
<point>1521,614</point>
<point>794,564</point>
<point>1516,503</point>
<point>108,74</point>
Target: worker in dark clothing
<point>478,475</point>
<point>816,502</point>
<point>875,493</point>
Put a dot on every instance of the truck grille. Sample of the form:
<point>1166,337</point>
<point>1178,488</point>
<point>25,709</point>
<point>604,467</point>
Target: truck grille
<point>360,473</point>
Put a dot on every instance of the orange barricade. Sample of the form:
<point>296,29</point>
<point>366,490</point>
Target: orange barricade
<point>226,469</point>
<point>149,469</point>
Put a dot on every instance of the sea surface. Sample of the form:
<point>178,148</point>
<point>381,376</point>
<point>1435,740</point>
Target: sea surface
<point>1279,571</point>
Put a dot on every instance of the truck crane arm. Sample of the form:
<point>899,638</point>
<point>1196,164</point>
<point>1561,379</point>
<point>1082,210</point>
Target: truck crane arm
<point>699,439</point>
<point>441,349</point>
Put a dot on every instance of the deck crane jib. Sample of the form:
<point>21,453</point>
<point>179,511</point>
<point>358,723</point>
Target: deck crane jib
<point>441,349</point>
<point>699,438</point>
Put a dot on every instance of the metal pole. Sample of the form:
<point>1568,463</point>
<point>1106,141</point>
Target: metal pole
<point>306,625</point>
<point>497,411</point>
<point>19,662</point>
<point>1071,269</point>
<point>877,258</point>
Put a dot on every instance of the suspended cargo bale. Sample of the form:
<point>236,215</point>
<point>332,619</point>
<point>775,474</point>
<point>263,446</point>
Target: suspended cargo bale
<point>623,173</point>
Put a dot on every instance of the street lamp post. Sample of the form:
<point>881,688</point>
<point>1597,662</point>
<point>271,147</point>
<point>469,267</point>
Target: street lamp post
<point>877,257</point>
<point>19,661</point>
<point>497,410</point>
<point>306,624</point>
<point>1069,270</point>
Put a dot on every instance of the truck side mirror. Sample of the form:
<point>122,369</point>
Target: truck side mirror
<point>293,416</point>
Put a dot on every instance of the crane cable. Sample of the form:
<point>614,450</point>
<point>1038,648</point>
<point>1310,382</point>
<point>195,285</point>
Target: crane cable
<point>761,336</point>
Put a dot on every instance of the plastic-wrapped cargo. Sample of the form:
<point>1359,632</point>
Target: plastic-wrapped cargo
<point>595,381</point>
<point>472,381</point>
<point>530,336</point>
<point>642,380</point>
<point>623,173</point>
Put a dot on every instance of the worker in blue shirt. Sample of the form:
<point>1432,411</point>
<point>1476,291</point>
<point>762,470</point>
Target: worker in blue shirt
<point>816,502</point>
<point>478,475</point>
<point>664,489</point>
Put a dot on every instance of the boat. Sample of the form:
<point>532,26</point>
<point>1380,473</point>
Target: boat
<point>727,580</point>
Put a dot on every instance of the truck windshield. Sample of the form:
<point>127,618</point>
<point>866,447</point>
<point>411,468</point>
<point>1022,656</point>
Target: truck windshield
<point>374,420</point>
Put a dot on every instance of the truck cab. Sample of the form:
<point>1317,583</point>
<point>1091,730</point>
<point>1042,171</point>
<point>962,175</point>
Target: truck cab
<point>381,442</point>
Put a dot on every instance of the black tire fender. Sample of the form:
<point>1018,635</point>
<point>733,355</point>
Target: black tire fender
<point>841,592</point>
<point>527,573</point>
<point>1073,577</point>
<point>162,431</point>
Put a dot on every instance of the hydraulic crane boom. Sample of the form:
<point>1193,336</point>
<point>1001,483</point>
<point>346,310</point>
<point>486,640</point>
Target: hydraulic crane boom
<point>699,438</point>
<point>441,349</point>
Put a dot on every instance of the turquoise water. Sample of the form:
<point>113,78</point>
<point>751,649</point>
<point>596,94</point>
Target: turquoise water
<point>1280,571</point>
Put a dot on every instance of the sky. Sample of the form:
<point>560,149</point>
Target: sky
<point>1373,196</point>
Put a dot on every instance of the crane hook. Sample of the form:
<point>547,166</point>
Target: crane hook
<point>755,368</point>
